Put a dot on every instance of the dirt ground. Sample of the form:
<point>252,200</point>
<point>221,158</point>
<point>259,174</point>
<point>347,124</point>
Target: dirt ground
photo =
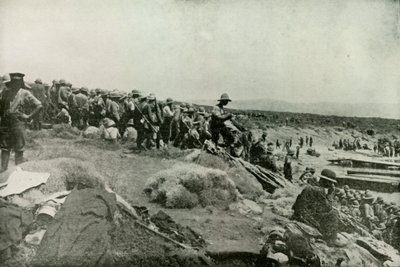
<point>222,228</point>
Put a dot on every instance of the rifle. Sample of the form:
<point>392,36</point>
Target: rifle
<point>144,117</point>
<point>184,123</point>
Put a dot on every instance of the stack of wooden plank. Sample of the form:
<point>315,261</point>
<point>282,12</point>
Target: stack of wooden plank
<point>383,181</point>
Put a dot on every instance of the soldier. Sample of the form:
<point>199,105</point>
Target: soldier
<point>287,167</point>
<point>367,211</point>
<point>175,128</point>
<point>269,161</point>
<point>39,91</point>
<point>297,152</point>
<point>204,127</point>
<point>139,121</point>
<point>14,102</point>
<point>130,133</point>
<point>72,107</point>
<point>278,144</point>
<point>166,126</point>
<point>153,120</point>
<point>306,140</point>
<point>82,103</point>
<point>63,92</point>
<point>128,107</point>
<point>63,116</point>
<point>311,141</point>
<point>112,107</point>
<point>218,118</point>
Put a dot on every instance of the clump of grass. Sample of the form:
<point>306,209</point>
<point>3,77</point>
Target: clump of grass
<point>188,185</point>
<point>212,161</point>
<point>245,182</point>
<point>64,131</point>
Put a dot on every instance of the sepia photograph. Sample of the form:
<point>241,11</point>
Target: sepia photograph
<point>228,133</point>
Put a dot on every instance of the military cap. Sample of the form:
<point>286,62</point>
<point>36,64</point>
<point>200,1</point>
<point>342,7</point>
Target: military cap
<point>189,110</point>
<point>206,115</point>
<point>224,97</point>
<point>368,196</point>
<point>135,92</point>
<point>108,123</point>
<point>38,80</point>
<point>270,150</point>
<point>62,81</point>
<point>114,95</point>
<point>202,110</point>
<point>169,100</point>
<point>151,97</point>
<point>130,122</point>
<point>355,203</point>
<point>84,90</point>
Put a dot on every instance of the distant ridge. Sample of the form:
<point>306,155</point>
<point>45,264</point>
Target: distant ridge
<point>390,110</point>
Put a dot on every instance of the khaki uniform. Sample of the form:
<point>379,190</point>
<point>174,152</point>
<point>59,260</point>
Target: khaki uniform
<point>12,106</point>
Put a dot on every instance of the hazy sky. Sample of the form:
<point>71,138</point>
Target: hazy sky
<point>334,50</point>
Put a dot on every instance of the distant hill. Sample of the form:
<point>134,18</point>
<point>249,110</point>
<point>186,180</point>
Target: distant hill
<point>382,110</point>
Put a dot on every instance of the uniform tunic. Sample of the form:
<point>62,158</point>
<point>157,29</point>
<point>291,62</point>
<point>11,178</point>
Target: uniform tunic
<point>12,105</point>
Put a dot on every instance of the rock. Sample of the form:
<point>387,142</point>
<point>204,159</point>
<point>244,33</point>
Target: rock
<point>246,207</point>
<point>91,132</point>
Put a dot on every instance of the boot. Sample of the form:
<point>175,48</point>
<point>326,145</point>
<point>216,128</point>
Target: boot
<point>5,158</point>
<point>19,157</point>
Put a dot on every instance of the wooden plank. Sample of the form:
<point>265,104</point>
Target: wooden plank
<point>363,183</point>
<point>378,173</point>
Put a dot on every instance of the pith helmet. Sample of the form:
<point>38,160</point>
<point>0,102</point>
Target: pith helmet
<point>135,92</point>
<point>84,90</point>
<point>224,97</point>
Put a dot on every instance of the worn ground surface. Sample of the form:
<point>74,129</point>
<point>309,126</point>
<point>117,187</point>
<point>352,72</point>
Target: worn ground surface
<point>221,227</point>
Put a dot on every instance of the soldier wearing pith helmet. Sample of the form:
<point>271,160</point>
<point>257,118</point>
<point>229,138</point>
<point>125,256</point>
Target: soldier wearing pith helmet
<point>15,101</point>
<point>218,118</point>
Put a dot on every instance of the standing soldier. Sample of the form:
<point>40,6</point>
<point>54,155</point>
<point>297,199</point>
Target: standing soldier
<point>82,103</point>
<point>138,120</point>
<point>39,91</point>
<point>72,107</point>
<point>175,123</point>
<point>14,101</point>
<point>166,126</point>
<point>278,144</point>
<point>112,107</point>
<point>218,118</point>
<point>63,93</point>
<point>153,120</point>
<point>311,141</point>
<point>301,142</point>
<point>287,167</point>
<point>306,140</point>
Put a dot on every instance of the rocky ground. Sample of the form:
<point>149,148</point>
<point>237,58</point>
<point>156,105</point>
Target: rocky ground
<point>229,227</point>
